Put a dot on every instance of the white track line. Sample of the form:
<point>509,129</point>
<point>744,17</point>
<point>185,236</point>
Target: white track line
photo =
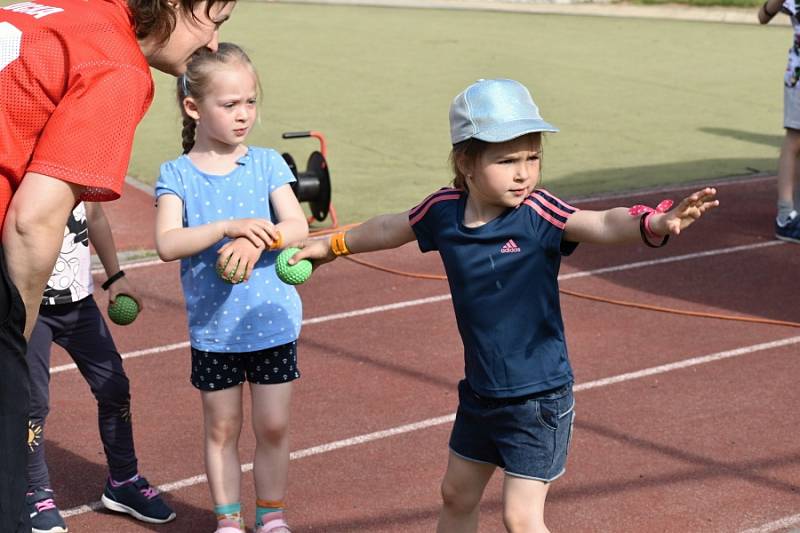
<point>437,421</point>
<point>777,525</point>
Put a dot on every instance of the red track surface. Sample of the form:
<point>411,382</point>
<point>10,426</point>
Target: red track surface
<point>708,447</point>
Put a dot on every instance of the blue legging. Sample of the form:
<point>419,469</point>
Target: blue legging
<point>79,328</point>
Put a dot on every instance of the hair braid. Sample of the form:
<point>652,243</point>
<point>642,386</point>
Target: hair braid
<point>188,133</point>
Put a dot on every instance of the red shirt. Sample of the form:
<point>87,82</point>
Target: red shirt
<point>74,85</point>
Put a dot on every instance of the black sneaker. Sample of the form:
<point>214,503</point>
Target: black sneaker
<point>138,499</point>
<point>790,231</point>
<point>45,517</point>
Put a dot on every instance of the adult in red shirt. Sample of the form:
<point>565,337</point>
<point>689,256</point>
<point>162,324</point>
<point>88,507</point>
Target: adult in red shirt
<point>74,83</point>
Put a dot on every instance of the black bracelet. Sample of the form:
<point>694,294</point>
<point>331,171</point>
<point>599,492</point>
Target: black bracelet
<point>110,281</point>
<point>766,11</point>
<point>643,233</point>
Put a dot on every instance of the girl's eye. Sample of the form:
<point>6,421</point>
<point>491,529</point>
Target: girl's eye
<point>252,101</point>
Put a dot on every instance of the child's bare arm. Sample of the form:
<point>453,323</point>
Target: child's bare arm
<point>173,241</point>
<point>102,239</point>
<point>768,10</point>
<point>378,233</point>
<point>292,222</point>
<point>616,226</point>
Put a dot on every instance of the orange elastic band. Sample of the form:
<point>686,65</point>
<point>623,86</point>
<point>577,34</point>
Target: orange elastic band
<point>272,504</point>
<point>338,246</point>
<point>277,243</point>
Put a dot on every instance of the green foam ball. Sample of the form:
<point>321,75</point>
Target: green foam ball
<point>123,310</point>
<point>292,274</point>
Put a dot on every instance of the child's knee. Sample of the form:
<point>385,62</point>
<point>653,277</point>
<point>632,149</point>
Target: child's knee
<point>224,430</point>
<point>523,519</point>
<point>272,430</point>
<point>458,498</point>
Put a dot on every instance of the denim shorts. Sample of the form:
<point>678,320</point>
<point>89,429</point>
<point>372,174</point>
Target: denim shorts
<point>528,437</point>
<point>217,371</point>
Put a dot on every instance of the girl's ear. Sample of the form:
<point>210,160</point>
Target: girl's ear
<point>190,108</point>
<point>463,164</point>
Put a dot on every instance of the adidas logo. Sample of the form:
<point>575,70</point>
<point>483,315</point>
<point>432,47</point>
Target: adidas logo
<point>510,248</point>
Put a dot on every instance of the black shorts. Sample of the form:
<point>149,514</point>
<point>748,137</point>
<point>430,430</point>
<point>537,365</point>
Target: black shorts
<point>217,371</point>
<point>14,406</point>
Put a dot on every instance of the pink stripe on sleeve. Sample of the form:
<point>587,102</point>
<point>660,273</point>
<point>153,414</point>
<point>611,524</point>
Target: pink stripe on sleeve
<point>544,214</point>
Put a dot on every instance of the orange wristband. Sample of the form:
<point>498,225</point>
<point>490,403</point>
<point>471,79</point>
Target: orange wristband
<point>338,246</point>
<point>277,243</point>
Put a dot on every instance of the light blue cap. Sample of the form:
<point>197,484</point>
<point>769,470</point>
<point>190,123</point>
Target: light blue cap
<point>495,111</point>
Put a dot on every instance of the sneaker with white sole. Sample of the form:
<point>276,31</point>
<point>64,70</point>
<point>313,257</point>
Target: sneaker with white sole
<point>790,231</point>
<point>138,499</point>
<point>45,517</point>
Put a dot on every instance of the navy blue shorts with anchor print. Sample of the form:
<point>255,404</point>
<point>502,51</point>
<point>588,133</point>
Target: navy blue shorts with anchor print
<point>217,371</point>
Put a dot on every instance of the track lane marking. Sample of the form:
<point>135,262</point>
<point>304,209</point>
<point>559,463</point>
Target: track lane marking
<point>442,297</point>
<point>437,421</point>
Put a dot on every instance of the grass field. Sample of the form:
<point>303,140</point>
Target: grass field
<point>639,102</point>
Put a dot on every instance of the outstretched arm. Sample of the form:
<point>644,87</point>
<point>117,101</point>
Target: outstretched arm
<point>33,233</point>
<point>378,233</point>
<point>616,226</point>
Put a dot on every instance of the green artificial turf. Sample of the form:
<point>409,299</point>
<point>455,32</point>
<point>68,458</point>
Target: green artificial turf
<point>639,102</point>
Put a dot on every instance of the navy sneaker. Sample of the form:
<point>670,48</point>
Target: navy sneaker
<point>138,499</point>
<point>790,231</point>
<point>45,517</point>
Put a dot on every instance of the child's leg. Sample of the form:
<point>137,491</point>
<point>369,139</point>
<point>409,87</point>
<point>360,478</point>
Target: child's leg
<point>462,489</point>
<point>271,462</point>
<point>787,174</point>
<point>88,341</point>
<point>523,505</point>
<point>222,417</point>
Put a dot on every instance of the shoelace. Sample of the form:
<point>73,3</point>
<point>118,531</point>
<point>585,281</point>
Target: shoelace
<point>45,505</point>
<point>148,491</point>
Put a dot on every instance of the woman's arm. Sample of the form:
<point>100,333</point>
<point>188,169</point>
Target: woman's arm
<point>32,235</point>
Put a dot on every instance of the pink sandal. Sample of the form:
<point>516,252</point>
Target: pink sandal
<point>273,525</point>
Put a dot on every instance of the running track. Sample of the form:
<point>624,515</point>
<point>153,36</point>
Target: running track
<point>683,423</point>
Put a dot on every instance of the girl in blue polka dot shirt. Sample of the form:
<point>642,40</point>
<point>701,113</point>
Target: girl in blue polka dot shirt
<point>224,210</point>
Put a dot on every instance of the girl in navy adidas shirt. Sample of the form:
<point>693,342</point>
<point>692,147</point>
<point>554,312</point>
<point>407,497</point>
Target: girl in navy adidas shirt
<point>501,240</point>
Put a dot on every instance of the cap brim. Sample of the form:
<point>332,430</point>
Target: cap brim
<point>512,130</point>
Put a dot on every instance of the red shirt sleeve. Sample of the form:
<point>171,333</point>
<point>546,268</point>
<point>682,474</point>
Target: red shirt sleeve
<point>89,136</point>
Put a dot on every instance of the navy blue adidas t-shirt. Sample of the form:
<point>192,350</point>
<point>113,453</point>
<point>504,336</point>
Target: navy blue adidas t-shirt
<point>503,278</point>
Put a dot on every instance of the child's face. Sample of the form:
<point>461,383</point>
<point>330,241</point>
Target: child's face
<point>506,173</point>
<point>191,33</point>
<point>228,110</point>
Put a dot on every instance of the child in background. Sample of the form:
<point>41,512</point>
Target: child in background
<point>501,240</point>
<point>69,317</point>
<point>787,221</point>
<point>225,207</point>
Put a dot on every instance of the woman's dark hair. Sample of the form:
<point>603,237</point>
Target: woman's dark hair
<point>156,18</point>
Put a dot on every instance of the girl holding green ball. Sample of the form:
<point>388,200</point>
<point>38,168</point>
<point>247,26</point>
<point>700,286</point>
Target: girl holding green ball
<point>224,208</point>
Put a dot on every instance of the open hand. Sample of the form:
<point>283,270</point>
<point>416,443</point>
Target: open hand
<point>686,212</point>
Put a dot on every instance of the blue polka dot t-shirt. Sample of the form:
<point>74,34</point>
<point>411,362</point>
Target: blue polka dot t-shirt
<point>260,313</point>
